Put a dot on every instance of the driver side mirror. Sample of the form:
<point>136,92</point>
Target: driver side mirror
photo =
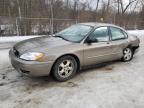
<point>89,41</point>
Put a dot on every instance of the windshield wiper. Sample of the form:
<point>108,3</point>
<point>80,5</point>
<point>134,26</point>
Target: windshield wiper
<point>61,37</point>
<point>58,36</point>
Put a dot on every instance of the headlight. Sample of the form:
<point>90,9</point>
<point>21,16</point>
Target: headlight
<point>31,56</point>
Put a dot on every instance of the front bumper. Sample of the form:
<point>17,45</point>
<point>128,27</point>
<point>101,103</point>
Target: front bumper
<point>31,68</point>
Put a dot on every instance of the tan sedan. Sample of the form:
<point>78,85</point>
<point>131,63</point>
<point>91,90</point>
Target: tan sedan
<point>73,48</point>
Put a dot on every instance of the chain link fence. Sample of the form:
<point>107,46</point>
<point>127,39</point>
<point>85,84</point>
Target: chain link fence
<point>43,26</point>
<point>33,26</point>
<point>7,26</point>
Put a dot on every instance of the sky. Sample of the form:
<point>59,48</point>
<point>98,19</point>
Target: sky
<point>93,3</point>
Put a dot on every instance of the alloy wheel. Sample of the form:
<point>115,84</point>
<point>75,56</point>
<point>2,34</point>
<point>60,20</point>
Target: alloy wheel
<point>65,69</point>
<point>127,54</point>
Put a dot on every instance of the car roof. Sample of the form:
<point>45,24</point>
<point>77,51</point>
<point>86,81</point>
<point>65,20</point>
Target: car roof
<point>97,24</point>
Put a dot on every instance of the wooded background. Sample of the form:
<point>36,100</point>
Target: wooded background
<point>30,17</point>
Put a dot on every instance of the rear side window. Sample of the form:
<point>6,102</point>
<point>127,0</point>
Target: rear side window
<point>117,33</point>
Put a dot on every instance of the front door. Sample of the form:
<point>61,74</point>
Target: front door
<point>100,50</point>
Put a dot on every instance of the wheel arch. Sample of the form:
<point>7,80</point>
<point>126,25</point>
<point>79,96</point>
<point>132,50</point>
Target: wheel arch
<point>130,46</point>
<point>69,54</point>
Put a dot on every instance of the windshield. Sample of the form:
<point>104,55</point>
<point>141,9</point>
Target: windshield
<point>74,33</point>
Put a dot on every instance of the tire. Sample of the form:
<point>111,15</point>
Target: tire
<point>127,54</point>
<point>65,68</point>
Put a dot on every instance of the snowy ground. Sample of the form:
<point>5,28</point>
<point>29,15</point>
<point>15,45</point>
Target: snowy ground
<point>113,85</point>
<point>16,38</point>
<point>9,41</point>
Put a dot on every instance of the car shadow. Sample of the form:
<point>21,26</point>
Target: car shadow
<point>34,83</point>
<point>99,66</point>
<point>44,80</point>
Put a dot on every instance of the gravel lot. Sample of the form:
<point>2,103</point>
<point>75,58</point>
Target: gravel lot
<point>112,85</point>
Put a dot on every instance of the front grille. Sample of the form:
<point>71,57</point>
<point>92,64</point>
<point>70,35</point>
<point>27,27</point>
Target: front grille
<point>16,52</point>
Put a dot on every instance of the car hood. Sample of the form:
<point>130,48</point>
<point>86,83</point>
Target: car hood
<point>40,44</point>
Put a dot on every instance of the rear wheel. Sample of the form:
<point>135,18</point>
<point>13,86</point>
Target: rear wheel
<point>127,54</point>
<point>65,68</point>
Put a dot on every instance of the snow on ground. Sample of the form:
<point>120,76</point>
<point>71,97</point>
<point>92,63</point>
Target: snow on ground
<point>9,41</point>
<point>136,32</point>
<point>113,85</point>
<point>20,38</point>
<point>16,38</point>
<point>139,33</point>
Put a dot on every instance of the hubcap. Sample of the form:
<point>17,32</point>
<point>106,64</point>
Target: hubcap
<point>127,54</point>
<point>65,68</point>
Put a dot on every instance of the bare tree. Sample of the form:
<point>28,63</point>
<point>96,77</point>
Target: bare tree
<point>96,8</point>
<point>124,9</point>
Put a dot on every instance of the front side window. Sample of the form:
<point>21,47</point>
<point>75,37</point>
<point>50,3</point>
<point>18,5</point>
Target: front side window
<point>100,34</point>
<point>117,33</point>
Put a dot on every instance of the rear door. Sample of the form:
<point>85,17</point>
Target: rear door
<point>118,41</point>
<point>99,51</point>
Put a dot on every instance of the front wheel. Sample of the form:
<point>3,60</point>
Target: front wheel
<point>65,68</point>
<point>127,54</point>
